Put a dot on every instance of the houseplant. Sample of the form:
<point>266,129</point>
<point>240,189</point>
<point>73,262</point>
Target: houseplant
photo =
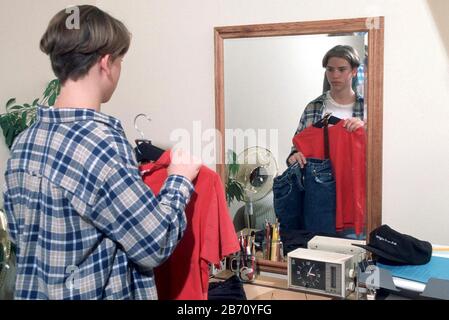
<point>234,189</point>
<point>18,117</point>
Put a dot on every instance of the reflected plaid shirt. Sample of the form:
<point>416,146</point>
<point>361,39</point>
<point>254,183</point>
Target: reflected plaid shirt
<point>84,223</point>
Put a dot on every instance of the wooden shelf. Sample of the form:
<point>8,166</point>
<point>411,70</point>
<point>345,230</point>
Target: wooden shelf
<point>271,266</point>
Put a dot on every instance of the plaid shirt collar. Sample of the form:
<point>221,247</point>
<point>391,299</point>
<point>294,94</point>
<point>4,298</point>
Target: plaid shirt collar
<point>322,98</point>
<point>61,115</point>
<point>358,111</point>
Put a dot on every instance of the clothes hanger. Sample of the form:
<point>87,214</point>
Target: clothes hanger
<point>328,118</point>
<point>145,151</point>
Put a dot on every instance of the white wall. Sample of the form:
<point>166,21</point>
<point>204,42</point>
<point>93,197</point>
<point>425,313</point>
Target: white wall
<point>169,74</point>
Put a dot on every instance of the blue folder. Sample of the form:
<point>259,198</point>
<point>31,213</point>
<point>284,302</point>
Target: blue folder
<point>437,267</point>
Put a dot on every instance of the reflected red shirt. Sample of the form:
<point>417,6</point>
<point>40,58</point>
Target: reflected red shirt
<point>347,151</point>
<point>209,236</point>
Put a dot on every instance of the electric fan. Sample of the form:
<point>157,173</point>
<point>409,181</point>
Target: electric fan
<point>257,169</point>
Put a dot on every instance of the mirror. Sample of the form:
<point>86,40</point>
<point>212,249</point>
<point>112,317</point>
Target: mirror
<point>266,74</point>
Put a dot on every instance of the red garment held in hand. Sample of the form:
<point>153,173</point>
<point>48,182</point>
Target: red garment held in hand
<point>208,238</point>
<point>347,154</point>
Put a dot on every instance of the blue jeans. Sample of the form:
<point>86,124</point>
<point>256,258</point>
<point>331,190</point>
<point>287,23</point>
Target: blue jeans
<point>304,199</point>
<point>288,198</point>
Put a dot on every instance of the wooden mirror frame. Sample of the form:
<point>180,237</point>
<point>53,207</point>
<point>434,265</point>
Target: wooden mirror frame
<point>374,26</point>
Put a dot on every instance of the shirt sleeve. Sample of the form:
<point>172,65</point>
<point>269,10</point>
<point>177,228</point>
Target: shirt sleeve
<point>11,225</point>
<point>147,227</point>
<point>301,126</point>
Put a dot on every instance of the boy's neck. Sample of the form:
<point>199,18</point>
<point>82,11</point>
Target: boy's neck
<point>343,96</point>
<point>78,95</point>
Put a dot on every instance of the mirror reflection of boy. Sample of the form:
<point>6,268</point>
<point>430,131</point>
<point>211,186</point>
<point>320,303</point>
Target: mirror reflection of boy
<point>344,102</point>
<point>341,64</point>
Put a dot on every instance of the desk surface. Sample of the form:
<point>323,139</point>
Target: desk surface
<point>270,288</point>
<point>438,251</point>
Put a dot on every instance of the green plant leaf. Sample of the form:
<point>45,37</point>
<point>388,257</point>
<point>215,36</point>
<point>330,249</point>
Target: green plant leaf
<point>233,169</point>
<point>4,120</point>
<point>26,105</point>
<point>51,100</point>
<point>232,165</point>
<point>10,102</point>
<point>3,123</point>
<point>16,107</point>
<point>230,194</point>
<point>32,118</point>
<point>47,91</point>
<point>240,194</point>
<point>234,191</point>
<point>35,102</point>
<point>231,156</point>
<point>9,137</point>
<point>24,120</point>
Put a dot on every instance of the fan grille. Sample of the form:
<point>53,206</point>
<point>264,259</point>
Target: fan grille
<point>257,169</point>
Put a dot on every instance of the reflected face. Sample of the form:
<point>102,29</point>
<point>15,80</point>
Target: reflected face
<point>339,73</point>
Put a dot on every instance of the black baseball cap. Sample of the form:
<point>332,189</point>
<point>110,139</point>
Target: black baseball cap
<point>394,248</point>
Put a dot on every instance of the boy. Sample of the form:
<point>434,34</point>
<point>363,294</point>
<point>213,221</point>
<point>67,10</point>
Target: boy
<point>341,64</point>
<point>85,224</point>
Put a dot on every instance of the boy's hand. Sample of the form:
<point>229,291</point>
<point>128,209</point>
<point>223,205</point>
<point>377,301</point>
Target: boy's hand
<point>353,124</point>
<point>184,164</point>
<point>298,157</point>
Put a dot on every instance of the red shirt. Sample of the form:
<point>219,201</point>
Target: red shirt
<point>208,238</point>
<point>347,154</point>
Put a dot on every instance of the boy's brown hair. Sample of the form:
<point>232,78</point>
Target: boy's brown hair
<point>73,51</point>
<point>346,52</point>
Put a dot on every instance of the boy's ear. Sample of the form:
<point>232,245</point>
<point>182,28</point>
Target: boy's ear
<point>105,63</point>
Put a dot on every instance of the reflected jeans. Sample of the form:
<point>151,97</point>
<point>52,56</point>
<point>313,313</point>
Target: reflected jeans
<point>305,198</point>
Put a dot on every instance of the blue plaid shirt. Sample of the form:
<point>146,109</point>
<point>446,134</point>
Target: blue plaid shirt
<point>84,223</point>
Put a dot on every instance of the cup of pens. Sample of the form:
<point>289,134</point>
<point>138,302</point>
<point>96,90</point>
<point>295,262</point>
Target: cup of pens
<point>272,246</point>
<point>244,266</point>
<point>273,250</point>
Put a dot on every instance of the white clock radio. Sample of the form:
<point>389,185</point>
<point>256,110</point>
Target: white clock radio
<point>322,272</point>
<point>339,245</point>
